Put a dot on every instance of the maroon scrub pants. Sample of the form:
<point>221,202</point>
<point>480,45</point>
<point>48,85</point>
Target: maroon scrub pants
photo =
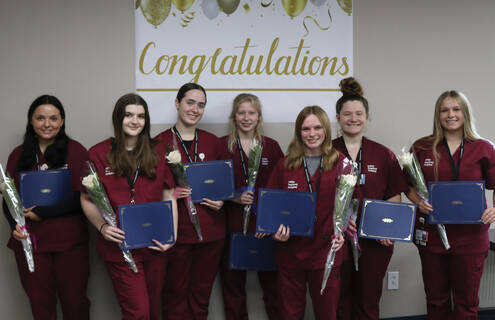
<point>62,273</point>
<point>234,291</point>
<point>139,294</point>
<point>292,284</point>
<point>362,290</point>
<point>190,276</point>
<point>452,280</point>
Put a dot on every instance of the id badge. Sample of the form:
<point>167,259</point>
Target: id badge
<point>362,180</point>
<point>421,237</point>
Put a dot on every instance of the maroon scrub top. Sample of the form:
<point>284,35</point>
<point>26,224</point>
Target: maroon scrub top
<point>212,222</point>
<point>118,191</point>
<point>308,252</point>
<point>270,155</point>
<point>383,177</point>
<point>61,233</point>
<point>478,163</point>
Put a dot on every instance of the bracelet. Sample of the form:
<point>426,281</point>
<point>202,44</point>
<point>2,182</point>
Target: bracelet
<point>102,225</point>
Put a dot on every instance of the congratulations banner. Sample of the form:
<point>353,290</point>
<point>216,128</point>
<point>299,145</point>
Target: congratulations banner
<point>290,53</point>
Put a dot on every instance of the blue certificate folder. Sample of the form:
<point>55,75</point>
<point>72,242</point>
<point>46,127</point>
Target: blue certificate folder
<point>387,220</point>
<point>213,180</point>
<point>456,202</point>
<point>295,209</point>
<point>250,253</point>
<point>145,221</point>
<point>44,188</point>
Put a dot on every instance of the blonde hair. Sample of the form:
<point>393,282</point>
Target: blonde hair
<point>469,128</point>
<point>295,151</point>
<point>258,130</point>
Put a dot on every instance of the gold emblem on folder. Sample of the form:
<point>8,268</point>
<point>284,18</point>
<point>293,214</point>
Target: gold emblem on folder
<point>147,224</point>
<point>285,212</point>
<point>388,220</point>
<point>456,202</point>
<point>209,181</point>
<point>46,190</point>
<point>253,252</point>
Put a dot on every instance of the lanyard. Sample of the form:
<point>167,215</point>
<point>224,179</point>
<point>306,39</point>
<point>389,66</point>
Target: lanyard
<point>132,183</point>
<point>359,159</point>
<point>308,181</point>
<point>37,161</point>
<point>455,169</point>
<point>184,146</point>
<point>243,162</point>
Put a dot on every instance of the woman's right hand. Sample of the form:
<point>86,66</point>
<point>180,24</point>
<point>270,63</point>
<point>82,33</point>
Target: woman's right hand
<point>113,234</point>
<point>425,207</point>
<point>247,197</point>
<point>283,233</point>
<point>18,234</point>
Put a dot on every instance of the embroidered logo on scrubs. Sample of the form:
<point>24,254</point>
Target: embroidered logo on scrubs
<point>428,162</point>
<point>292,184</point>
<point>108,171</point>
<point>264,161</point>
<point>372,168</point>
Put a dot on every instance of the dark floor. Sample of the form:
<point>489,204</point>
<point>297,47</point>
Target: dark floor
<point>482,315</point>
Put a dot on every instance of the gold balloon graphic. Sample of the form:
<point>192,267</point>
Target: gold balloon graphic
<point>346,6</point>
<point>155,11</point>
<point>294,7</point>
<point>228,6</point>
<point>183,5</point>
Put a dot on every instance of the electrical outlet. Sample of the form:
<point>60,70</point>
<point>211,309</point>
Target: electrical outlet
<point>393,280</point>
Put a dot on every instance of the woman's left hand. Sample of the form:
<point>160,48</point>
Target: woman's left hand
<point>28,213</point>
<point>160,246</point>
<point>214,205</point>
<point>180,192</point>
<point>488,215</point>
<point>352,227</point>
<point>339,241</point>
<point>386,242</point>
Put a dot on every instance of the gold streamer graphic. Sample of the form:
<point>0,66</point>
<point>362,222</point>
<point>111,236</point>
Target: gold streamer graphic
<point>191,17</point>
<point>316,22</point>
<point>264,5</point>
<point>246,7</point>
<point>346,6</point>
<point>186,19</point>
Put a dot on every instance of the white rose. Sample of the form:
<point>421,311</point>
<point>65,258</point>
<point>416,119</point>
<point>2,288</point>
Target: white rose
<point>174,157</point>
<point>349,179</point>
<point>405,159</point>
<point>88,181</point>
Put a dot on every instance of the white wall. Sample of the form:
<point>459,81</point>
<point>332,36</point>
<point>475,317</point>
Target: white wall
<point>406,54</point>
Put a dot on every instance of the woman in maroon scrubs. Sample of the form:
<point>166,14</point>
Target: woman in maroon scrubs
<point>312,165</point>
<point>454,151</point>
<point>246,125</point>
<point>132,171</point>
<point>379,177</point>
<point>58,231</point>
<point>191,273</point>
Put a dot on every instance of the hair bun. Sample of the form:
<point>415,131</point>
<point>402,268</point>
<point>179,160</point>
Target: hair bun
<point>350,86</point>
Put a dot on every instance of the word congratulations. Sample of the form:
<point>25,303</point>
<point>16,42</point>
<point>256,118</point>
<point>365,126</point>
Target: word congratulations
<point>272,64</point>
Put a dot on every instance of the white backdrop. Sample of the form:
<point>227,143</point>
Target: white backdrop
<point>291,53</point>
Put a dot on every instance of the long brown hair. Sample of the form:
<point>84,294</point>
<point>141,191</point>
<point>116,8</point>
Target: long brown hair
<point>469,128</point>
<point>258,130</point>
<point>124,162</point>
<point>295,151</point>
